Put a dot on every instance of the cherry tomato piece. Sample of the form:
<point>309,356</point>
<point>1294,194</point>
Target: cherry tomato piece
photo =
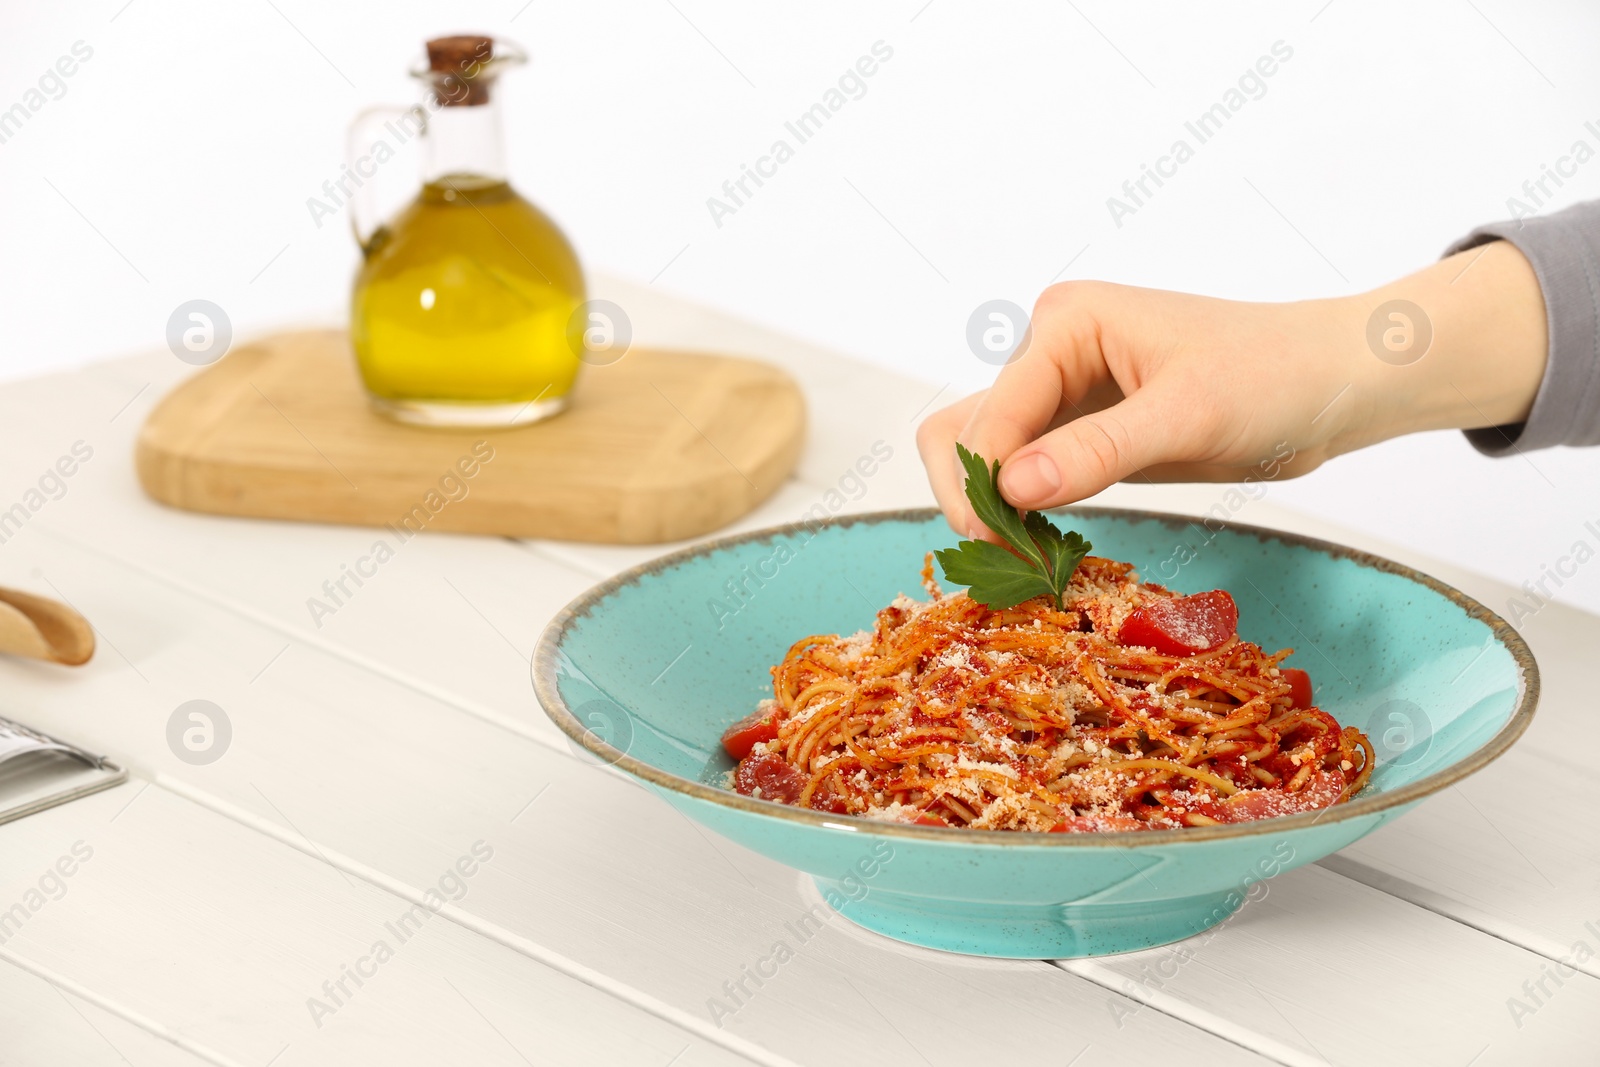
<point>1183,626</point>
<point>768,778</point>
<point>1321,790</point>
<point>1299,685</point>
<point>743,735</point>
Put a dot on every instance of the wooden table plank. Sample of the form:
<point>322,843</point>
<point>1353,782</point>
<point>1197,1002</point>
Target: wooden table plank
<point>224,938</point>
<point>1415,992</point>
<point>42,1025</point>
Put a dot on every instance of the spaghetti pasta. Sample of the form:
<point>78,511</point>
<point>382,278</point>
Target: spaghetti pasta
<point>1127,708</point>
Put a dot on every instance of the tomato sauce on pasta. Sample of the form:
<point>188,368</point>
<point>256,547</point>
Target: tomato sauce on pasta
<point>1128,708</point>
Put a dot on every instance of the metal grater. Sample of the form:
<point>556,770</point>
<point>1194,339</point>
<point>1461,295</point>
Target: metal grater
<point>17,740</point>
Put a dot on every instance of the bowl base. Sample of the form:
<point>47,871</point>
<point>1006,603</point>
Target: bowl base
<point>1029,931</point>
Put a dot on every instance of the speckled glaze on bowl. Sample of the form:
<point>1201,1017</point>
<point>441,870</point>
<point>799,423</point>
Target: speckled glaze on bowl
<point>645,670</point>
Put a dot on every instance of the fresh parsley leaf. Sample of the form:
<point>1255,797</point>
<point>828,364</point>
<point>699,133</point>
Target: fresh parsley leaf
<point>995,577</point>
<point>1042,558</point>
<point>1062,551</point>
<point>983,490</point>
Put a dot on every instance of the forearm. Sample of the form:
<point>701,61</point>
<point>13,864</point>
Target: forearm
<point>1480,315</point>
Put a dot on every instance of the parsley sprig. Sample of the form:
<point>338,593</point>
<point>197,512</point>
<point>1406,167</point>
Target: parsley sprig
<point>1044,557</point>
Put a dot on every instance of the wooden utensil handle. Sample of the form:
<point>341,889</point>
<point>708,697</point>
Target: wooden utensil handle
<point>41,628</point>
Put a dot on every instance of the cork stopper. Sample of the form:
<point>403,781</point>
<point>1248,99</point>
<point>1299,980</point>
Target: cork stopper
<point>458,65</point>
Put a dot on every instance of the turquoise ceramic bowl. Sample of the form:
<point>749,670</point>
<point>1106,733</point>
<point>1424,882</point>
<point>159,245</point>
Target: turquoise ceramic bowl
<point>646,670</point>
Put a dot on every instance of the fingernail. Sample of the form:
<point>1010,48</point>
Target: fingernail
<point>1030,480</point>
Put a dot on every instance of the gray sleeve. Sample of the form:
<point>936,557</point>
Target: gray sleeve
<point>1564,249</point>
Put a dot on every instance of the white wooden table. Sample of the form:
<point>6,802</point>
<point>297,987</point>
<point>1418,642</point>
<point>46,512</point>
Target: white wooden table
<point>370,755</point>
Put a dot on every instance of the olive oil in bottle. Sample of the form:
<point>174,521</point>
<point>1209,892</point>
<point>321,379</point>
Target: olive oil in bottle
<point>466,308</point>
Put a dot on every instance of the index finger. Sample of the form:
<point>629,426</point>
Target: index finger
<point>1060,364</point>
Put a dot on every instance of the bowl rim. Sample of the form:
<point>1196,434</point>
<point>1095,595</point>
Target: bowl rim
<point>545,662</point>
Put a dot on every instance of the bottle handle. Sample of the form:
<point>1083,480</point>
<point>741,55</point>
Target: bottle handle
<point>361,160</point>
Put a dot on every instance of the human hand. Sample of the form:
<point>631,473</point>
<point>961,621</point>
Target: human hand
<point>1118,382</point>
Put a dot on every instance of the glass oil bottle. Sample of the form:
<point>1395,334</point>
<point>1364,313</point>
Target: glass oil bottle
<point>466,307</point>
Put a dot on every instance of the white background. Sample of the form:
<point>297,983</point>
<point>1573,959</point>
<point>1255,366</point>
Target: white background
<point>178,163</point>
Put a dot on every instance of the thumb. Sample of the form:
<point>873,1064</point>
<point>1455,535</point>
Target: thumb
<point>1095,451</point>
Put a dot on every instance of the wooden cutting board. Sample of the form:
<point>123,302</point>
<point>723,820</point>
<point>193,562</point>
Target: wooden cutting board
<point>659,446</point>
